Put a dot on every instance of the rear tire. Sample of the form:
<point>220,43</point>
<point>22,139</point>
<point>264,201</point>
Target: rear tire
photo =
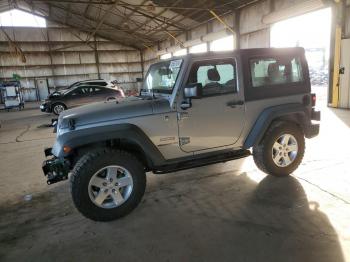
<point>281,150</point>
<point>102,198</point>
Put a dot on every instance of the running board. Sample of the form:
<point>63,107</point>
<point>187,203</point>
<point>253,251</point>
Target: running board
<point>183,165</point>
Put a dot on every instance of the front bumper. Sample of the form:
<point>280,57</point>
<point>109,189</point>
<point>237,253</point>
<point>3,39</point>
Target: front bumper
<point>55,169</point>
<point>45,108</point>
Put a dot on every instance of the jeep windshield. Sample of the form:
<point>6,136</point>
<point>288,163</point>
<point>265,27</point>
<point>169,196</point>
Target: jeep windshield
<point>161,77</point>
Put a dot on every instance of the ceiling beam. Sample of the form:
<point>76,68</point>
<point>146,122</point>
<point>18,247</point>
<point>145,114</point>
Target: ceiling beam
<point>157,15</point>
<point>139,38</point>
<point>182,27</point>
<point>49,18</point>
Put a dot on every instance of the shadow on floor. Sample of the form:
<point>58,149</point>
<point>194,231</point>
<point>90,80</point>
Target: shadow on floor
<point>216,218</point>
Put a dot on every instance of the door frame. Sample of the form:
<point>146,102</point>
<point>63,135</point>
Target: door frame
<point>240,93</point>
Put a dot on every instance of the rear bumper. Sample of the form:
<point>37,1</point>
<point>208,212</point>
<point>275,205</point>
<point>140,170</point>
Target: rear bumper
<point>55,169</point>
<point>315,115</point>
<point>313,129</point>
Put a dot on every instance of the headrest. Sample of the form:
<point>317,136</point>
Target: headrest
<point>273,69</point>
<point>213,75</point>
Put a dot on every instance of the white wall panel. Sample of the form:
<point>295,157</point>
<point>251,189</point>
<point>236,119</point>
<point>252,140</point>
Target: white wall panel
<point>251,17</point>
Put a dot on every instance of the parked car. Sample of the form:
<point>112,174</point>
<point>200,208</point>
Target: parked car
<point>193,111</point>
<point>92,82</point>
<point>77,96</point>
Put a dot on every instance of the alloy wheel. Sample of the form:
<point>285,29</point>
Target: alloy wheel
<point>110,187</point>
<point>284,150</point>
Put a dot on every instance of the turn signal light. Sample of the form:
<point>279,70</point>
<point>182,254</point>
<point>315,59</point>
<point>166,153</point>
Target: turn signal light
<point>67,149</point>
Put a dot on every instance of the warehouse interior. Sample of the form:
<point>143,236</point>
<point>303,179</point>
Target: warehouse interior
<point>227,211</point>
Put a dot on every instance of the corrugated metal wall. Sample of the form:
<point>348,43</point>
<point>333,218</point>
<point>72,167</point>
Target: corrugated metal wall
<point>62,56</point>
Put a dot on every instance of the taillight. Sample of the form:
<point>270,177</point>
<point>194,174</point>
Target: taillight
<point>313,100</point>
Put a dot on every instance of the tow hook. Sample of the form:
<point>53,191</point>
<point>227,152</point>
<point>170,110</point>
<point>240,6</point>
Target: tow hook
<point>55,170</point>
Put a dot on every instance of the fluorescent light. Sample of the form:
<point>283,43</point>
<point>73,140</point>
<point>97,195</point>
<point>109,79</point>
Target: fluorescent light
<point>180,52</point>
<point>201,48</point>
<point>165,56</point>
<point>222,44</point>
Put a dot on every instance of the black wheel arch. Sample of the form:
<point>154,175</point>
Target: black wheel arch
<point>127,137</point>
<point>54,103</point>
<point>295,113</point>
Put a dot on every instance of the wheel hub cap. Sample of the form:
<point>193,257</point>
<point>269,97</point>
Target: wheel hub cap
<point>110,187</point>
<point>284,150</point>
<point>58,109</point>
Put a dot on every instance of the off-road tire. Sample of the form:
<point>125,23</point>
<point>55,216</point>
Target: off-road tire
<point>88,165</point>
<point>262,153</point>
<point>58,104</point>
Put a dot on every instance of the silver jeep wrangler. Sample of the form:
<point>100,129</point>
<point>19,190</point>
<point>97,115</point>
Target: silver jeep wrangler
<point>192,111</point>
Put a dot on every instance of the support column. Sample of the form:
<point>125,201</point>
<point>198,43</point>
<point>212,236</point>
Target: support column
<point>335,55</point>
<point>237,29</point>
<point>142,63</point>
<point>97,61</point>
<point>51,63</point>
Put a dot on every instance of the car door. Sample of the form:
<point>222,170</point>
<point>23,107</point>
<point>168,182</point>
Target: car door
<point>99,94</point>
<point>217,118</point>
<point>79,96</point>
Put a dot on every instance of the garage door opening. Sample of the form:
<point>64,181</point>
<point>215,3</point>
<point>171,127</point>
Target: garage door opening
<point>311,31</point>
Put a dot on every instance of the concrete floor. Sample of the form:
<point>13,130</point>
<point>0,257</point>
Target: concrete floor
<point>224,212</point>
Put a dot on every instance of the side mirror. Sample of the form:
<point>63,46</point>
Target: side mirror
<point>193,91</point>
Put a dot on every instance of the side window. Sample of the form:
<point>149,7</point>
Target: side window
<point>216,76</point>
<point>86,90</point>
<point>275,71</point>
<point>76,92</point>
<point>81,91</point>
<point>98,90</point>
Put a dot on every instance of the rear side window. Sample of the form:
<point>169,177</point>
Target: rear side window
<point>275,71</point>
<point>99,90</point>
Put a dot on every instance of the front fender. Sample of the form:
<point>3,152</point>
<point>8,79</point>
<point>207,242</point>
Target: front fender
<point>80,137</point>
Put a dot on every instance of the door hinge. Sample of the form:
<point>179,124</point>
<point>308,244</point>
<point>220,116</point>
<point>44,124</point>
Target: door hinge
<point>184,141</point>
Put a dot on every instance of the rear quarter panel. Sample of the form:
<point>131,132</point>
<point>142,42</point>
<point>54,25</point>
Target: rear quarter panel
<point>253,109</point>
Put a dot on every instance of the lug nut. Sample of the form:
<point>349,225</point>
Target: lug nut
<point>111,180</point>
<point>104,184</point>
<point>116,184</point>
<point>113,190</point>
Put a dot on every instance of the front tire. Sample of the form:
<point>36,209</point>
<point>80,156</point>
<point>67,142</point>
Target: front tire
<point>107,184</point>
<point>281,150</point>
<point>58,108</point>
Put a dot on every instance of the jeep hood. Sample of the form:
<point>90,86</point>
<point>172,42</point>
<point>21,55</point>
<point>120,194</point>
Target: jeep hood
<point>113,110</point>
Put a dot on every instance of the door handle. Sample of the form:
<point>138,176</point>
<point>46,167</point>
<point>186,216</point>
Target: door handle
<point>233,104</point>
